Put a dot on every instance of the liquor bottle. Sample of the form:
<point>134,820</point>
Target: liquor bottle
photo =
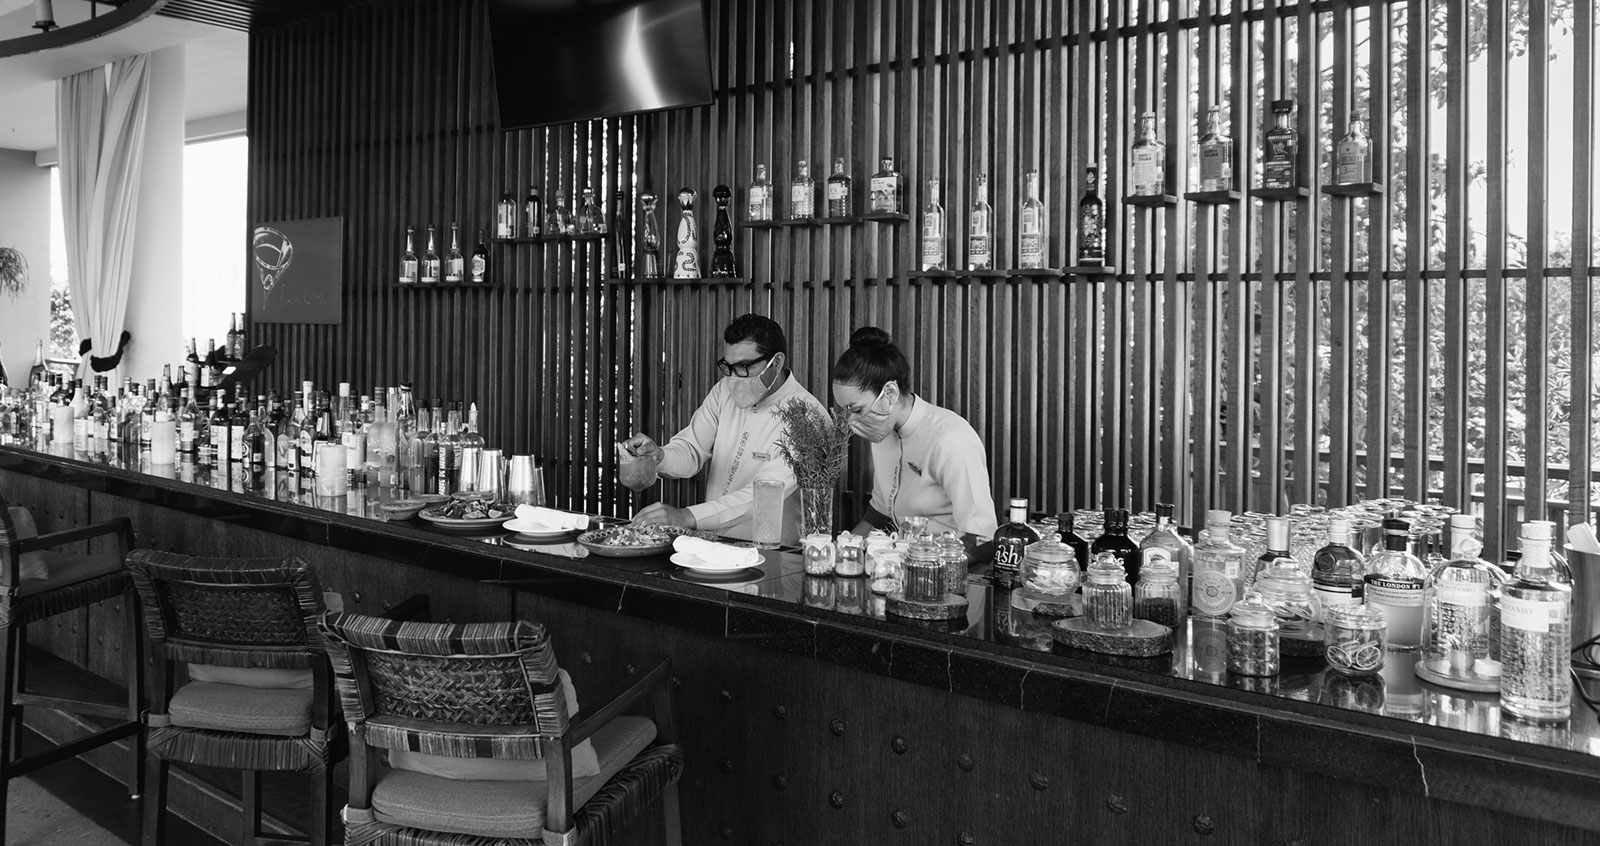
<point>480,261</point>
<point>449,451</point>
<point>588,220</point>
<point>1091,221</point>
<point>339,412</point>
<point>455,265</point>
<point>354,436</point>
<point>430,262</point>
<point>147,416</point>
<point>651,234</point>
<point>1149,160</point>
<point>189,424</point>
<point>470,439</point>
<point>505,216</point>
<point>1166,545</point>
<point>287,455</point>
<point>408,461</point>
<point>533,213</point>
<point>1010,542</point>
<point>217,448</point>
<point>980,232</point>
<point>241,343</point>
<point>257,443</point>
<point>238,422</point>
<point>231,341</point>
<point>802,193</point>
<point>886,189</point>
<point>838,191</point>
<point>1277,551</point>
<point>38,369</point>
<point>1065,526</point>
<point>306,449</point>
<point>80,417</point>
<point>1353,155</point>
<point>933,240</point>
<point>105,427</point>
<point>686,263</point>
<point>1536,635</point>
<point>1218,569</point>
<point>560,220</point>
<point>1337,568</point>
<point>1457,602</point>
<point>1280,163</point>
<point>408,261</point>
<point>191,368</point>
<point>4,382</point>
<point>1115,541</point>
<point>1394,582</point>
<point>1216,154</point>
<point>758,197</point>
<point>1030,224</point>
<point>622,237</point>
<point>722,263</point>
<point>383,440</point>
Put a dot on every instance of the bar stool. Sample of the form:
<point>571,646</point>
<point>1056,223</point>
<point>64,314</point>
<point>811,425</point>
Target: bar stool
<point>484,742</point>
<point>248,627</point>
<point>36,584</point>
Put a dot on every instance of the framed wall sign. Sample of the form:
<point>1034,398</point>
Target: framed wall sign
<point>297,270</point>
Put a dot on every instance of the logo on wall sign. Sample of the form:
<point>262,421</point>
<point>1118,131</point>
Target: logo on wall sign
<point>273,252</point>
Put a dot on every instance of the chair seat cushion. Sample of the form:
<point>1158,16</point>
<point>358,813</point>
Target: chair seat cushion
<point>229,707</point>
<point>500,808</point>
<point>251,676</point>
<point>65,570</point>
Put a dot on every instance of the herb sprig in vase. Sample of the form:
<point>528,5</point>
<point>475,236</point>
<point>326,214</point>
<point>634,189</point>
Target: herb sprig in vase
<point>817,446</point>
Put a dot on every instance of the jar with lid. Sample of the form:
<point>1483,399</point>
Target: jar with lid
<point>849,555</point>
<point>1354,638</point>
<point>1107,597</point>
<point>1049,578</point>
<point>1253,639</point>
<point>924,579</point>
<point>819,554</point>
<point>953,554</point>
<point>1157,597</point>
<point>1291,595</point>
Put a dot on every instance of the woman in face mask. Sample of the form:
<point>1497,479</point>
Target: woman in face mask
<point>926,460</point>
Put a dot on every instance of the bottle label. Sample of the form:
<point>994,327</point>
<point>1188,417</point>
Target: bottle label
<point>885,197</point>
<point>186,435</point>
<point>1214,592</point>
<point>800,200</point>
<point>430,271</point>
<point>1030,243</point>
<point>1008,556</point>
<point>1352,163</point>
<point>978,257</point>
<point>453,270</point>
<point>932,243</point>
<point>758,201</point>
<point>1531,615</point>
<point>236,438</point>
<point>1277,169</point>
<point>1155,553</point>
<point>1147,181</point>
<point>408,270</point>
<point>1216,167</point>
<point>1401,601</point>
<point>837,191</point>
<point>480,268</point>
<point>1465,594</point>
<point>1334,595</point>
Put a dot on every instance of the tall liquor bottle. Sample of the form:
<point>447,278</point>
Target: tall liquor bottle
<point>722,263</point>
<point>191,362</point>
<point>190,422</point>
<point>1218,568</point>
<point>651,235</point>
<point>449,452</point>
<point>886,188</point>
<point>430,262</point>
<point>1115,541</point>
<point>686,262</point>
<point>933,240</point>
<point>258,445</point>
<point>216,450</point>
<point>238,422</point>
<point>480,261</point>
<point>232,339</point>
<point>980,229</point>
<point>589,220</point>
<point>1010,542</point>
<point>1149,160</point>
<point>1394,582</point>
<point>1353,155</point>
<point>621,236</point>
<point>1337,568</point>
<point>455,265</point>
<point>3,380</point>
<point>241,341</point>
<point>1457,602</point>
<point>505,216</point>
<point>1030,224</point>
<point>38,368</point>
<point>408,260</point>
<point>1281,159</point>
<point>1066,526</point>
<point>1216,154</point>
<point>1091,221</point>
<point>560,219</point>
<point>1536,635</point>
<point>758,197</point>
<point>288,441</point>
<point>838,191</point>
<point>802,193</point>
<point>533,213</point>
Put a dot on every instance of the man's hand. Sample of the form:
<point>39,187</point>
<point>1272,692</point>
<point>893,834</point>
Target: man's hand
<point>642,446</point>
<point>665,515</point>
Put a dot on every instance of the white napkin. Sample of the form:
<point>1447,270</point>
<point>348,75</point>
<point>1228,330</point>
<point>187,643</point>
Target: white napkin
<point>563,520</point>
<point>719,554</point>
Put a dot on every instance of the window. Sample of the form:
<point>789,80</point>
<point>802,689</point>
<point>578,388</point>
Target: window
<point>215,179</point>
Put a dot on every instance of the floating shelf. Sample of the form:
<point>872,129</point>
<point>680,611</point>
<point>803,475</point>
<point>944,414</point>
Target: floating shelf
<point>886,217</point>
<point>1281,194</point>
<point>668,280</point>
<point>1034,271</point>
<point>430,286</point>
<point>760,224</point>
<point>1212,197</point>
<point>1156,200</point>
<point>586,236</point>
<point>1089,270</point>
<point>837,221</point>
<point>522,239</point>
<point>1355,189</point>
<point>800,221</point>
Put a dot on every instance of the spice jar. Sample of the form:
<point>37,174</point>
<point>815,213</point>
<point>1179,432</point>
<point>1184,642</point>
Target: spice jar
<point>953,554</point>
<point>1107,597</point>
<point>1049,568</point>
<point>924,580</point>
<point>818,551</point>
<point>1157,597</point>
<point>1291,595</point>
<point>1354,638</point>
<point>850,549</point>
<point>1253,639</point>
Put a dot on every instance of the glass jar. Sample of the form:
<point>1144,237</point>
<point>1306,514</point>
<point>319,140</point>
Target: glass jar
<point>1107,597</point>
<point>1253,639</point>
<point>953,554</point>
<point>924,579</point>
<point>1049,568</point>
<point>1289,592</point>
<point>850,550</point>
<point>1354,638</point>
<point>1157,597</point>
<point>819,553</point>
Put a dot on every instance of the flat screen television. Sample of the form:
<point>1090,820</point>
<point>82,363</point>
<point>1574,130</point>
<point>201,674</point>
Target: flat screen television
<point>557,61</point>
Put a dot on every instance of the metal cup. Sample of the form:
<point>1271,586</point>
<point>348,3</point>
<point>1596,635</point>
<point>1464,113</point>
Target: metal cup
<point>491,472</point>
<point>469,469</point>
<point>525,481</point>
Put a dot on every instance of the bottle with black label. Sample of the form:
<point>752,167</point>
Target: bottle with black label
<point>1337,568</point>
<point>1010,542</point>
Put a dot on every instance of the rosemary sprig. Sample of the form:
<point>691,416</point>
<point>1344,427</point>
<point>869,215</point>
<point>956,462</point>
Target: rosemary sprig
<point>816,445</point>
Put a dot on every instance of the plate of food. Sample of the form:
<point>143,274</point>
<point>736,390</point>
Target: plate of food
<point>468,514</point>
<point>632,540</point>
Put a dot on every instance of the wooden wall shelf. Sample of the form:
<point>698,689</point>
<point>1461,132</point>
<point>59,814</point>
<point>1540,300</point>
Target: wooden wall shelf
<point>886,217</point>
<point>1151,201</point>
<point>1281,194</point>
<point>668,280</point>
<point>1357,189</point>
<point>1215,198</point>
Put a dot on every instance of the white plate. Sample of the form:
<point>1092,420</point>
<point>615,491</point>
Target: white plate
<point>693,562</point>
<point>536,530</point>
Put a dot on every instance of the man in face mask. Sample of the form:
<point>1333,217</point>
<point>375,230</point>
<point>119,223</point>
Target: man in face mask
<point>733,436</point>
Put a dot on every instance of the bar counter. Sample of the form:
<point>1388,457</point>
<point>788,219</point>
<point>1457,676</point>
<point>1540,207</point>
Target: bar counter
<point>804,709</point>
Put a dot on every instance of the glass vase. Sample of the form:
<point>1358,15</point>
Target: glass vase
<point>816,510</point>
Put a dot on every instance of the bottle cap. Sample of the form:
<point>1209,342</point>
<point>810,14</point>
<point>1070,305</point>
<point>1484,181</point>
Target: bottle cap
<point>1165,509</point>
<point>1396,526</point>
<point>1539,530</point>
<point>1278,534</point>
<point>1019,502</point>
<point>1339,530</point>
<point>1463,521</point>
<point>1218,517</point>
<point>1283,106</point>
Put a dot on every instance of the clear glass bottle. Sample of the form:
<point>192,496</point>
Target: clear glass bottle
<point>430,262</point>
<point>287,455</point>
<point>838,191</point>
<point>455,265</point>
<point>1091,221</point>
<point>1457,604</point>
<point>802,193</point>
<point>1394,582</point>
<point>980,228</point>
<point>1114,539</point>
<point>1352,156</point>
<point>1338,568</point>
<point>886,189</point>
<point>1030,224</point>
<point>1011,543</point>
<point>408,266</point>
<point>479,271</point>
<point>1107,596</point>
<point>758,197</point>
<point>1158,597</point>
<point>256,439</point>
<point>933,240</point>
<point>1253,646</point>
<point>1165,544</point>
<point>1536,636</point>
<point>1216,154</point>
<point>1276,552</point>
<point>559,221</point>
<point>650,234</point>
<point>1149,160</point>
<point>1280,164</point>
<point>448,445</point>
<point>189,423</point>
<point>505,216</point>
<point>1218,569</point>
<point>588,220</point>
<point>533,213</point>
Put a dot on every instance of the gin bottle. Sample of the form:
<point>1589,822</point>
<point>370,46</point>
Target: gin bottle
<point>408,273</point>
<point>560,221</point>
<point>887,188</point>
<point>1218,569</point>
<point>1394,582</point>
<point>802,193</point>
<point>505,216</point>
<point>455,264</point>
<point>1091,222</point>
<point>480,261</point>
<point>1149,160</point>
<point>1166,545</point>
<point>838,191</point>
<point>533,213</point>
<point>1457,604</point>
<point>1030,224</point>
<point>933,240</point>
<point>980,228</point>
<point>1010,543</point>
<point>1216,154</point>
<point>1536,636</point>
<point>430,262</point>
<point>588,221</point>
<point>1353,156</point>
<point>1279,165</point>
<point>758,198</point>
<point>1337,568</point>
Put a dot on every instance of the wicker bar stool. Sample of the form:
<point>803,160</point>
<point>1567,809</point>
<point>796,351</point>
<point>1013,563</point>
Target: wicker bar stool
<point>35,584</point>
<point>483,720</point>
<point>248,627</point>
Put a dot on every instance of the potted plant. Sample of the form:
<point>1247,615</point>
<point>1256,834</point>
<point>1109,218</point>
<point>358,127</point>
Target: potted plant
<point>817,446</point>
<point>13,271</point>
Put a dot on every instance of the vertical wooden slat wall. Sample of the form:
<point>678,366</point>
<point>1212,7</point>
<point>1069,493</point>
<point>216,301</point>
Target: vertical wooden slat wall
<point>1244,355</point>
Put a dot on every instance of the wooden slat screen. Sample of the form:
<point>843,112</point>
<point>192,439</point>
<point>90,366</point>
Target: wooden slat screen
<point>1433,340</point>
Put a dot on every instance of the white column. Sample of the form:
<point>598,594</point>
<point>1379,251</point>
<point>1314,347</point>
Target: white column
<point>155,298</point>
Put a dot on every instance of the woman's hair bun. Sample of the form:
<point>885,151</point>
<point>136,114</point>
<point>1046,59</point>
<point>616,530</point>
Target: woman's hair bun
<point>869,337</point>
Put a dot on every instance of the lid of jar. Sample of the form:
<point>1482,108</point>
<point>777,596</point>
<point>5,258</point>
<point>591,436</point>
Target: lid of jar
<point>923,549</point>
<point>1107,569</point>
<point>1354,615</point>
<point>816,539</point>
<point>951,539</point>
<point>1253,613</point>
<point>1050,550</point>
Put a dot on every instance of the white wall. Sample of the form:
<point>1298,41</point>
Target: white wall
<point>155,297</point>
<point>25,225</point>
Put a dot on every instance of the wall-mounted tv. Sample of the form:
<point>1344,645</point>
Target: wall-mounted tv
<point>557,61</point>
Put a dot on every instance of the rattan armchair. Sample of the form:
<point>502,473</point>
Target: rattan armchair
<point>74,581</point>
<point>492,691</point>
<point>253,613</point>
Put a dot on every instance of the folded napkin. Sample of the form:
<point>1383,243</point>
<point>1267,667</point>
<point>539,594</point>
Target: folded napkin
<point>720,554</point>
<point>564,520</point>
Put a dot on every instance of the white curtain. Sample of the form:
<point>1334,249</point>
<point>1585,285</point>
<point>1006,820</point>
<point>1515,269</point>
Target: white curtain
<point>100,128</point>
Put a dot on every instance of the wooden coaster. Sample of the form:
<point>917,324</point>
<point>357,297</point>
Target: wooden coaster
<point>953,607</point>
<point>1143,639</point>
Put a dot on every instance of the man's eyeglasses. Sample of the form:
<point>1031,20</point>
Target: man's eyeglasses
<point>742,369</point>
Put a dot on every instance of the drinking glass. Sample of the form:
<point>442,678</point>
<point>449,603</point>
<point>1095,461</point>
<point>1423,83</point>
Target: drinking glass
<point>768,530</point>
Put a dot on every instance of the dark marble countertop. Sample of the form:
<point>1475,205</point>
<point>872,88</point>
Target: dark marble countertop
<point>1392,731</point>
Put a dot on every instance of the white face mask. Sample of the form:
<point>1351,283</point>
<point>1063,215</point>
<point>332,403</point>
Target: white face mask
<point>748,390</point>
<point>877,421</point>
